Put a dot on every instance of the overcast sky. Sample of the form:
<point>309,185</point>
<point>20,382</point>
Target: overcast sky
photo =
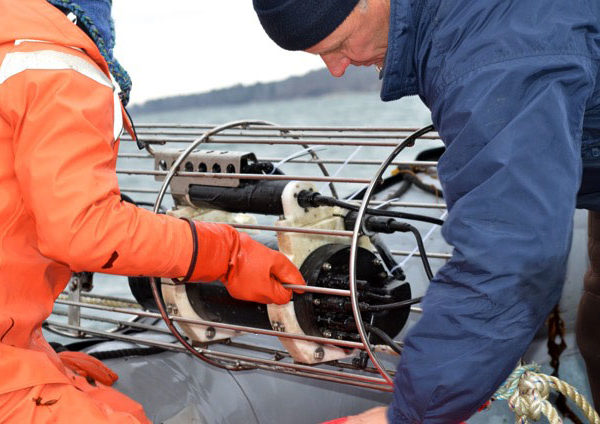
<point>189,46</point>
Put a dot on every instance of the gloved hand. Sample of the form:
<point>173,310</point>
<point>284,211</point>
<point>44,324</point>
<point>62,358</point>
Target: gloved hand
<point>88,366</point>
<point>249,270</point>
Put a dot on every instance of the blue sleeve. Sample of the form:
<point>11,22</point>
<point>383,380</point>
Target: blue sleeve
<point>510,175</point>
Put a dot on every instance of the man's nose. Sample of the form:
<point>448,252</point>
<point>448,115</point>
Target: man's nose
<point>336,63</point>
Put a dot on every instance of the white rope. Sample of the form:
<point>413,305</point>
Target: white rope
<point>527,391</point>
<point>387,202</point>
<point>295,155</point>
<point>342,166</point>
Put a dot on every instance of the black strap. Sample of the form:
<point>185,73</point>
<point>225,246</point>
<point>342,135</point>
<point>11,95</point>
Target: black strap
<point>194,252</point>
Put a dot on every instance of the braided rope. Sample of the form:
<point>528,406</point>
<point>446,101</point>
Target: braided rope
<point>570,392</point>
<point>527,391</point>
<point>511,384</point>
<point>104,301</point>
<point>106,49</point>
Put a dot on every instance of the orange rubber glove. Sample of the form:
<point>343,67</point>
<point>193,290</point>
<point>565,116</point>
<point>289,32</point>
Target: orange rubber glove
<point>249,270</point>
<point>88,366</point>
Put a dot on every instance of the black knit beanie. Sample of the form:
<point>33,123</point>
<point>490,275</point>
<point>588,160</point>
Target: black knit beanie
<point>300,24</point>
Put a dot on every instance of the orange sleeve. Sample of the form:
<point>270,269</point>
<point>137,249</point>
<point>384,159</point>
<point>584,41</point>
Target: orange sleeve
<point>65,159</point>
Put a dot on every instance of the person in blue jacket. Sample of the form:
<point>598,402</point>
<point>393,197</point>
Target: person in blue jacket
<point>514,90</point>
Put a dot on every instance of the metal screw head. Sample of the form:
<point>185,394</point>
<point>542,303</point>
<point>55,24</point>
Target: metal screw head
<point>210,332</point>
<point>319,353</point>
<point>277,326</point>
<point>327,333</point>
<point>74,283</point>
<point>326,266</point>
<point>172,310</point>
<point>316,302</point>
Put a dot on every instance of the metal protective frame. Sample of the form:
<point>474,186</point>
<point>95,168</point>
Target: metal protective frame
<point>262,132</point>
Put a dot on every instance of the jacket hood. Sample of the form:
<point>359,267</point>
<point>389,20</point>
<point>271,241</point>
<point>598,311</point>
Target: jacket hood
<point>39,20</point>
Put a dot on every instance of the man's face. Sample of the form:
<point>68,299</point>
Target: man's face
<point>361,40</point>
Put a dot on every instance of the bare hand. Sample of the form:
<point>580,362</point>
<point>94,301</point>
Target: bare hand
<point>372,416</point>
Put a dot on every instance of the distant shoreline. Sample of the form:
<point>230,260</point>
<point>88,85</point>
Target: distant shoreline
<point>313,84</point>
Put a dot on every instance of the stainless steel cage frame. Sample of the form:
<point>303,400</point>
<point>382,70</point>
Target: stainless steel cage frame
<point>377,377</point>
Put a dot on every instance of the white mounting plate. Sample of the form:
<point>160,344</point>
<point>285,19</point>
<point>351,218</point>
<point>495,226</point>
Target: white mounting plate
<point>297,247</point>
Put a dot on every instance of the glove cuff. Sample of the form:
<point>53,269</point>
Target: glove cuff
<point>194,259</point>
<point>214,246</point>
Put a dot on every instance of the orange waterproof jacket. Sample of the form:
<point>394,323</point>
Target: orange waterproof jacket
<point>60,206</point>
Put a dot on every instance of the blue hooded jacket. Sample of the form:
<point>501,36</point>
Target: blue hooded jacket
<point>514,91</point>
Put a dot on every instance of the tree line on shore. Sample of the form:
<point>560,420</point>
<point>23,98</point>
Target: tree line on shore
<point>312,84</point>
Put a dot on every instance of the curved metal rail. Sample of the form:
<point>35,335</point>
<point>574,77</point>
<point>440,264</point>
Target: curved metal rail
<point>360,230</point>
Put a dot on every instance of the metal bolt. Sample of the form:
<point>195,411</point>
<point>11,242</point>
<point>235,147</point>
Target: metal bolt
<point>327,333</point>
<point>210,332</point>
<point>319,353</point>
<point>277,326</point>
<point>74,283</point>
<point>326,266</point>
<point>316,302</point>
<point>172,310</point>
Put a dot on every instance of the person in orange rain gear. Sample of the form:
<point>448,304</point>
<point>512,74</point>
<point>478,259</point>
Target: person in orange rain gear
<point>61,210</point>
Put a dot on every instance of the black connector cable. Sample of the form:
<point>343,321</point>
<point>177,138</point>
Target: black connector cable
<point>422,251</point>
<point>387,306</point>
<point>390,225</point>
<point>383,336</point>
<point>387,257</point>
<point>311,199</point>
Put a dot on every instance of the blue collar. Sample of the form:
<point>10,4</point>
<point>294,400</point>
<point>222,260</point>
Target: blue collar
<point>399,71</point>
<point>94,16</point>
<point>99,12</point>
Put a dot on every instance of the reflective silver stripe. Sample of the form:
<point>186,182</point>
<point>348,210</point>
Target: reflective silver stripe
<point>31,40</point>
<point>17,62</point>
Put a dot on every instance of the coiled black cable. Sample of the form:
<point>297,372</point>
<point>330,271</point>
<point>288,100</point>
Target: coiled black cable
<point>124,353</point>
